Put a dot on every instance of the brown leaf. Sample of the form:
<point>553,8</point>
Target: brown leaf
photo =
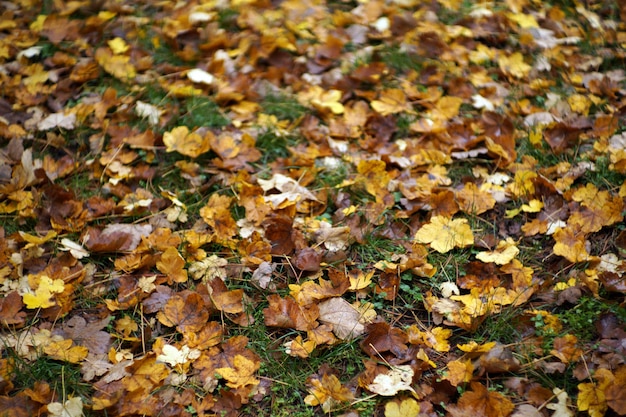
<point>481,402</point>
<point>10,306</point>
<point>383,338</point>
<point>285,312</point>
<point>186,311</point>
<point>307,259</point>
<point>616,392</point>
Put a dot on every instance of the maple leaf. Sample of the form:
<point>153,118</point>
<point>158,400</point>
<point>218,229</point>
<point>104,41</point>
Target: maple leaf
<point>175,357</point>
<point>323,100</point>
<point>459,371</point>
<point>390,102</point>
<point>299,348</point>
<point>343,317</point>
<point>64,351</point>
<point>591,398</point>
<point>482,402</point>
<point>185,311</point>
<point>565,348</point>
<point>571,245</point>
<point>615,391</point>
<point>445,234</point>
<point>118,66</point>
<point>186,143</point>
<point>242,372</point>
<point>562,407</point>
<point>172,264</point>
<point>42,297</point>
<point>327,391</point>
<point>514,65</point>
<point>504,253</point>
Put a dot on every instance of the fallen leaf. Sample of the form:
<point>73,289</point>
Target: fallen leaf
<point>241,374</point>
<point>406,408</point>
<point>399,378</point>
<point>445,234</point>
<point>344,319</point>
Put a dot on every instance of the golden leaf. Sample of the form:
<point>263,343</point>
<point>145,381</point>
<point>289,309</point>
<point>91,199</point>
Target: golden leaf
<point>182,141</point>
<point>241,374</point>
<point>406,408</point>
<point>390,102</point>
<point>445,234</point>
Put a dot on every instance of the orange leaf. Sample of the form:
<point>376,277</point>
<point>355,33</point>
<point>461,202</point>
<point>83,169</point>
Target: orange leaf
<point>459,371</point>
<point>216,213</point>
<point>327,392</point>
<point>172,264</point>
<point>481,402</point>
<point>182,141</point>
<point>570,244</point>
<point>565,348</point>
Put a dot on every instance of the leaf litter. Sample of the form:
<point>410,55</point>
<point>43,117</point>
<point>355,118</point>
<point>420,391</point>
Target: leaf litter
<point>436,188</point>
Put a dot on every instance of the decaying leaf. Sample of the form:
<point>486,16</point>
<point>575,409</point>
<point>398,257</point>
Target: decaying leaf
<point>399,378</point>
<point>342,316</point>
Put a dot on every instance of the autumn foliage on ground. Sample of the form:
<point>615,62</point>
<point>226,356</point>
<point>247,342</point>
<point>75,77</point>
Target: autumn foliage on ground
<point>393,208</point>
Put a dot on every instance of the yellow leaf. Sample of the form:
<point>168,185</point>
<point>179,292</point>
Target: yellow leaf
<point>299,348</point>
<point>579,104</point>
<point>37,240</point>
<point>446,108</point>
<point>406,408</point>
<point>322,100</point>
<point>570,245</point>
<point>360,280</point>
<point>118,45</point>
<point>118,66</point>
<point>525,21</point>
<point>182,141</point>
<point>504,253</point>
<point>514,65</point>
<point>327,392</point>
<point>591,398</point>
<point>41,298</point>
<point>241,374</point>
<point>390,102</point>
<point>445,234</point>
<point>64,351</point>
<point>533,206</point>
<point>473,347</point>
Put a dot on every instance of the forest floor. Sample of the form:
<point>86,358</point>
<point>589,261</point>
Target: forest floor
<point>305,208</point>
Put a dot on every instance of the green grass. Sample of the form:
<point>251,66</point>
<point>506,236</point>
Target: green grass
<point>289,374</point>
<point>401,61</point>
<point>202,111</point>
<point>274,145</point>
<point>282,106</point>
<point>374,249</point>
<point>64,378</point>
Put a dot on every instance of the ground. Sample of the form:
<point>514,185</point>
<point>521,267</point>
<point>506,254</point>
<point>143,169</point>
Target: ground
<point>305,208</point>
